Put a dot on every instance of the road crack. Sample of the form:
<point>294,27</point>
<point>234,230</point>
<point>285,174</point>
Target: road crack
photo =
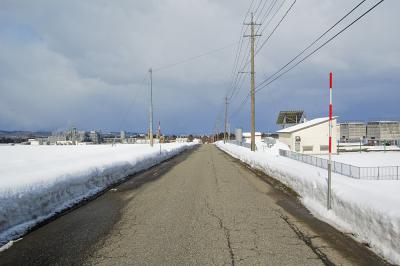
<point>214,170</point>
<point>225,230</point>
<point>307,240</point>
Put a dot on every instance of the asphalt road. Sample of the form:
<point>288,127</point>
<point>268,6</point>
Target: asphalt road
<point>199,208</point>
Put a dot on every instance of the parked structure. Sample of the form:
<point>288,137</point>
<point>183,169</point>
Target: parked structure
<point>309,137</point>
<point>383,132</point>
<point>353,131</point>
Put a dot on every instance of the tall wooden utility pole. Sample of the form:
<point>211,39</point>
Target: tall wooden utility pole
<point>252,81</point>
<point>226,117</point>
<point>151,109</point>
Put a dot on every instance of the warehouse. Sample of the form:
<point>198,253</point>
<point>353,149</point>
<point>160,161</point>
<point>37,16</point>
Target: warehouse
<point>353,131</point>
<point>380,132</point>
<point>311,137</point>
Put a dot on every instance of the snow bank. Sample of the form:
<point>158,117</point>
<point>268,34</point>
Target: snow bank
<point>368,209</point>
<point>38,181</point>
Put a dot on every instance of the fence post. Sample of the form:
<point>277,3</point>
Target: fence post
<point>398,172</point>
<point>378,172</point>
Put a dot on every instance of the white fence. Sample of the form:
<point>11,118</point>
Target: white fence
<point>368,173</point>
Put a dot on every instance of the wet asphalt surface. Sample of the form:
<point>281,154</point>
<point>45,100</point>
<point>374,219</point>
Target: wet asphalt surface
<point>199,208</point>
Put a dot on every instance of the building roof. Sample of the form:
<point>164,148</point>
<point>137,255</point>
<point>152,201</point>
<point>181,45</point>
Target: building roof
<point>289,117</point>
<point>353,123</point>
<point>248,134</point>
<point>383,122</point>
<point>304,125</point>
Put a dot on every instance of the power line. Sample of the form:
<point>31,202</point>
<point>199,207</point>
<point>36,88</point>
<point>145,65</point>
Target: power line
<point>267,13</point>
<point>234,74</point>
<point>259,4</point>
<point>271,19</point>
<point>243,65</point>
<point>277,25</point>
<point>235,69</point>
<point>193,58</point>
<point>262,9</point>
<point>259,87</point>
<point>141,86</point>
<point>240,106</point>
<point>273,31</point>
<point>321,46</point>
<point>238,76</point>
<point>315,41</point>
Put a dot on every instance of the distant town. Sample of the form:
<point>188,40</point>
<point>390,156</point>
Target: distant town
<point>299,133</point>
<point>80,137</point>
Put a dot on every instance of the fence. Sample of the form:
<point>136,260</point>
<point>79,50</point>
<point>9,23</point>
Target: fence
<point>243,144</point>
<point>368,173</point>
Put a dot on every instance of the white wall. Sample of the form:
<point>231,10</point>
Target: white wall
<point>314,136</point>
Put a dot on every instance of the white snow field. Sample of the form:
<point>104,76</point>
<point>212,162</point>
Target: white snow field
<point>368,209</point>
<point>38,181</point>
<point>367,159</point>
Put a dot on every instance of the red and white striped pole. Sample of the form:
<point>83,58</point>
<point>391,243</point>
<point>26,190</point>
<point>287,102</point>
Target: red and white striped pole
<point>330,142</point>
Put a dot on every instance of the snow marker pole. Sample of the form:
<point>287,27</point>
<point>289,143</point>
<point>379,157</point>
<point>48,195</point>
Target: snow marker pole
<point>330,143</point>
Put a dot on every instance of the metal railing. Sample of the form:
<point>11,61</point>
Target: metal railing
<point>367,173</point>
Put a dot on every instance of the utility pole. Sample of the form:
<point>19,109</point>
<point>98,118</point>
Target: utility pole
<point>151,109</point>
<point>159,131</point>
<point>229,132</point>
<point>252,81</point>
<point>226,118</point>
<point>217,128</point>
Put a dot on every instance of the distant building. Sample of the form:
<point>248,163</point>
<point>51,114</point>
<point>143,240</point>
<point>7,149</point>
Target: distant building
<point>57,136</point>
<point>380,132</point>
<point>353,131</point>
<point>247,137</point>
<point>65,142</point>
<point>95,137</point>
<point>181,139</point>
<point>310,137</point>
<point>82,136</point>
<point>123,137</point>
<point>34,142</point>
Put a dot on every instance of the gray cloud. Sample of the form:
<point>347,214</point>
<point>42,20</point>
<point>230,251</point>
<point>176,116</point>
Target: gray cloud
<point>82,62</point>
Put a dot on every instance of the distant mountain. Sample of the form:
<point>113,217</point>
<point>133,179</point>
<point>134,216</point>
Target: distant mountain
<point>21,133</point>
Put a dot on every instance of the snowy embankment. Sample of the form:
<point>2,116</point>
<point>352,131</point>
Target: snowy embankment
<point>367,209</point>
<point>37,182</point>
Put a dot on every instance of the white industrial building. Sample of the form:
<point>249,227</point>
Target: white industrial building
<point>380,132</point>
<point>311,137</point>
<point>353,131</point>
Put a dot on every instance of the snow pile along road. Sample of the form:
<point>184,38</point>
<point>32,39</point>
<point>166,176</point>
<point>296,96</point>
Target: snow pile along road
<point>38,181</point>
<point>368,209</point>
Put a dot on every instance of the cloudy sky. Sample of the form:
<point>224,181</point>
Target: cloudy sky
<point>85,63</point>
